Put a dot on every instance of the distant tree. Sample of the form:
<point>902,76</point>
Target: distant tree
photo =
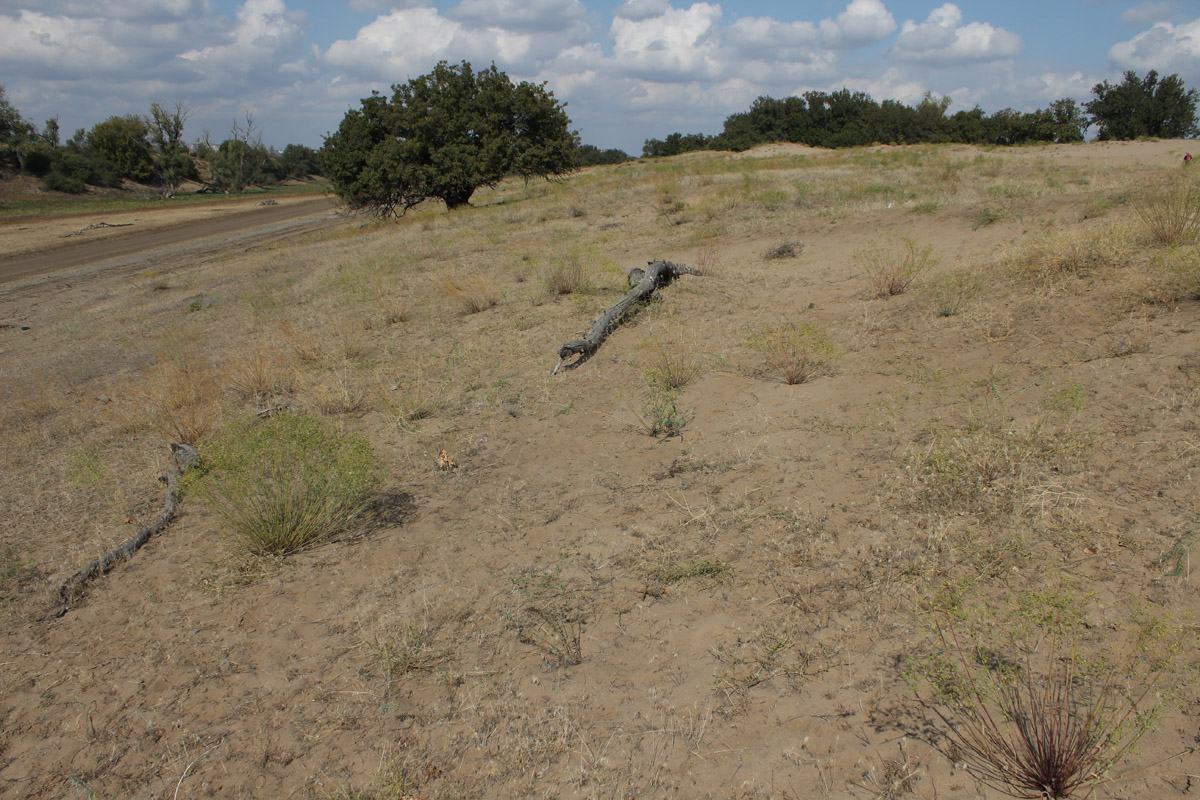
<point>675,144</point>
<point>589,155</point>
<point>14,131</point>
<point>173,161</point>
<point>239,160</point>
<point>1144,107</point>
<point>122,146</point>
<point>297,161</point>
<point>444,135</point>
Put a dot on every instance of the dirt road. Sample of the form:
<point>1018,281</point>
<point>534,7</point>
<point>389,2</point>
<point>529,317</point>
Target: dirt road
<point>248,226</point>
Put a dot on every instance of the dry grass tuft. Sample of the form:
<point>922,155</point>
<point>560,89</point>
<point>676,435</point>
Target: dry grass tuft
<point>1071,252</point>
<point>473,294</point>
<point>796,352</point>
<point>185,400</point>
<point>1170,211</point>
<point>892,267</point>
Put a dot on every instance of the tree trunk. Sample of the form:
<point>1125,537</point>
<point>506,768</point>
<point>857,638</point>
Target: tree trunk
<point>458,198</point>
<point>644,283</point>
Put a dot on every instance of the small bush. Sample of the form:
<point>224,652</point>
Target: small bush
<point>798,352</point>
<point>1171,212</point>
<point>1031,704</point>
<point>891,268</point>
<point>285,482</point>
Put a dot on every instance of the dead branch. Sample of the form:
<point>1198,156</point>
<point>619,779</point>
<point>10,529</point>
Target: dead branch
<point>644,283</point>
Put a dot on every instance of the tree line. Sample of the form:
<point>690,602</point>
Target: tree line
<point>1136,107</point>
<point>148,149</point>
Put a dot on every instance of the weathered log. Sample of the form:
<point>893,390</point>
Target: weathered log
<point>644,283</point>
<point>72,589</point>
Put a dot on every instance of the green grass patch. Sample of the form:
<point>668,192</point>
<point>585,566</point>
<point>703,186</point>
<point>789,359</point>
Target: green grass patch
<point>285,483</point>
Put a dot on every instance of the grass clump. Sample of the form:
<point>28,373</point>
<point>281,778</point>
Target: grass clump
<point>1170,212</point>
<point>784,250</point>
<point>988,468</point>
<point>473,294</point>
<point>1034,705</point>
<point>797,352</point>
<point>951,292</point>
<point>892,267</point>
<point>661,415</point>
<point>286,482</point>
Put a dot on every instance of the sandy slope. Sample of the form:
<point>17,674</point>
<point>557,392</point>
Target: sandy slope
<point>777,674</point>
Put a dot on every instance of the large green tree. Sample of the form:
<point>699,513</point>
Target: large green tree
<point>1144,107</point>
<point>122,146</point>
<point>444,135</point>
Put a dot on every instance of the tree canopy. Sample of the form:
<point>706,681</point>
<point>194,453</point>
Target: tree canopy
<point>445,134</point>
<point>1144,107</point>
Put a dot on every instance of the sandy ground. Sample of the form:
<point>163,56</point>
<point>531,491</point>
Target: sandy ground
<point>742,597</point>
<point>32,247</point>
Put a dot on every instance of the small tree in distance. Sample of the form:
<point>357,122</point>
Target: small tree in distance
<point>444,135</point>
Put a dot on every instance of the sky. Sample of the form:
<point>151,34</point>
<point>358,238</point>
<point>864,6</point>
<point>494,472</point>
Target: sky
<point>628,70</point>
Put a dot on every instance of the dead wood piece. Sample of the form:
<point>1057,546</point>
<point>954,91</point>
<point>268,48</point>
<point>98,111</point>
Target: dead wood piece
<point>644,283</point>
<point>72,589</point>
<point>96,225</point>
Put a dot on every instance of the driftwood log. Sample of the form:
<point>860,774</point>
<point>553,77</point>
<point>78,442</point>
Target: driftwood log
<point>643,284</point>
<point>72,589</point>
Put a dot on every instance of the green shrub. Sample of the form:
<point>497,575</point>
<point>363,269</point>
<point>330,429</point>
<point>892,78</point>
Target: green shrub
<point>286,482</point>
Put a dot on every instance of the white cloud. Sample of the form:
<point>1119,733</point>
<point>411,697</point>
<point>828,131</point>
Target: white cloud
<point>531,16</point>
<point>1165,47</point>
<point>864,22</point>
<point>265,34</point>
<point>378,6</point>
<point>1150,13</point>
<point>638,10</point>
<point>679,44</point>
<point>137,10</point>
<point>943,39</point>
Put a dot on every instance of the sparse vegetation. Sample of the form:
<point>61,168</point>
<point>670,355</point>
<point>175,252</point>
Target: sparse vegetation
<point>547,601</point>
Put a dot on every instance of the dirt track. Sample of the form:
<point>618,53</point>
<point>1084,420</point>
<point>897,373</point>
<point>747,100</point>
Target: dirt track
<point>252,225</point>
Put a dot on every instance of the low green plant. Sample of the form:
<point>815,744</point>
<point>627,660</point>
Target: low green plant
<point>891,267</point>
<point>285,482</point>
<point>677,571</point>
<point>986,217</point>
<point>661,415</point>
<point>1032,700</point>
<point>796,351</point>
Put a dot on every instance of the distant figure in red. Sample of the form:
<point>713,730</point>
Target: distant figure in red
<point>1187,159</point>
